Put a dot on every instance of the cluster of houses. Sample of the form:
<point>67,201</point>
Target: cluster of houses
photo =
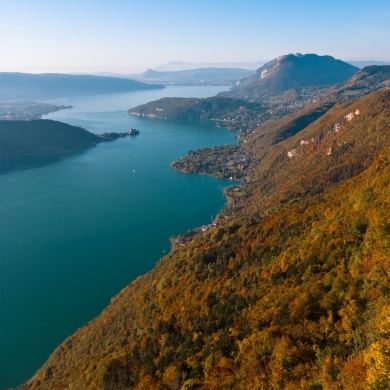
<point>228,161</point>
<point>183,239</point>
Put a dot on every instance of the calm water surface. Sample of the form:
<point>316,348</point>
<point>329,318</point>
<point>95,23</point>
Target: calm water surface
<point>77,230</point>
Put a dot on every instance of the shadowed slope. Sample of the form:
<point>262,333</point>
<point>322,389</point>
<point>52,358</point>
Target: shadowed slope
<point>42,136</point>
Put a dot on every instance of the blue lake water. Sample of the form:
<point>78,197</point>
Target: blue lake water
<point>76,230</point>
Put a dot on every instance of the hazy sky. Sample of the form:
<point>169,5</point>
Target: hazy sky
<point>131,36</point>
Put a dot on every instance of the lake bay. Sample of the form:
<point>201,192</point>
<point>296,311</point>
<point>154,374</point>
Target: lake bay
<point>74,231</point>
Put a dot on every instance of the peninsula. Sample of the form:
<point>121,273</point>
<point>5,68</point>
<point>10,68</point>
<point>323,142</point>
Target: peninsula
<point>46,137</point>
<point>192,108</point>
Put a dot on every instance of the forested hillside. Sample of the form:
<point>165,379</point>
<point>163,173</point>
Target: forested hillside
<point>193,108</point>
<point>291,293</point>
<point>337,146</point>
<point>369,79</point>
<point>42,136</point>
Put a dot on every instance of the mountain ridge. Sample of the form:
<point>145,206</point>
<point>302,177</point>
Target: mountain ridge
<point>369,79</point>
<point>179,65</point>
<point>210,74</point>
<point>47,85</point>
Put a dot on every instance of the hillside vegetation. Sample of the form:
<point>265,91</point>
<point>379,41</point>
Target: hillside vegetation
<point>42,136</point>
<point>193,108</point>
<point>369,79</point>
<point>335,147</point>
<point>291,293</point>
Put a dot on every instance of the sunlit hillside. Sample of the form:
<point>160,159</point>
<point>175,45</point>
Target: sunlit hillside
<point>291,295</point>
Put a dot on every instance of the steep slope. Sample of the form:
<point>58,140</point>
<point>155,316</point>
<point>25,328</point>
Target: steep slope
<point>304,153</point>
<point>276,131</point>
<point>369,79</point>
<point>33,86</point>
<point>291,72</point>
<point>232,161</point>
<point>337,146</point>
<point>296,297</point>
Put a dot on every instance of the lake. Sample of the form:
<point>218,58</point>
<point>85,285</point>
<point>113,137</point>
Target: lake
<point>76,229</point>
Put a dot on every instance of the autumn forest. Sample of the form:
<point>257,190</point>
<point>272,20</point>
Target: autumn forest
<point>290,292</point>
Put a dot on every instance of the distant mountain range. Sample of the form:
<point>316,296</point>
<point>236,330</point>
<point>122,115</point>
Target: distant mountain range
<point>292,71</point>
<point>49,85</point>
<point>362,64</point>
<point>178,65</point>
<point>196,75</point>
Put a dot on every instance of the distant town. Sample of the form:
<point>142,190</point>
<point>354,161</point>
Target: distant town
<point>26,110</point>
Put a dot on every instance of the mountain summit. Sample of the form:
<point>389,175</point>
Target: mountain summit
<point>292,71</point>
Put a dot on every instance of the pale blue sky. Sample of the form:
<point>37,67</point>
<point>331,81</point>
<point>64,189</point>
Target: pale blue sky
<point>131,36</point>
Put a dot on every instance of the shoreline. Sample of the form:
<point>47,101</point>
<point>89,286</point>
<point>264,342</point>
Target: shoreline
<point>104,137</point>
<point>182,239</point>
